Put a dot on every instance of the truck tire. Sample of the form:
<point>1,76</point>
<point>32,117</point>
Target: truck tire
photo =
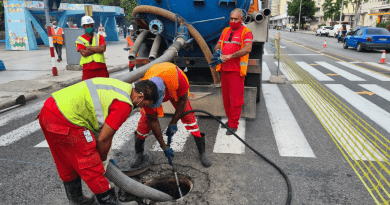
<point>254,80</point>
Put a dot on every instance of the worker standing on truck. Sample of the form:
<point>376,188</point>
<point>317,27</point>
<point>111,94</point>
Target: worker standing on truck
<point>172,85</point>
<point>234,45</point>
<point>79,123</point>
<point>91,47</point>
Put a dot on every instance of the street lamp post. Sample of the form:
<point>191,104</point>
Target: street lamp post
<point>299,20</point>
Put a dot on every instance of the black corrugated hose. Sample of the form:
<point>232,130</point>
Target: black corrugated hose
<point>289,189</point>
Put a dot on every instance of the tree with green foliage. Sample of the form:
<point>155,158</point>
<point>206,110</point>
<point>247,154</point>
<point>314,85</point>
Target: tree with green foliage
<point>128,5</point>
<point>308,10</point>
<point>332,9</point>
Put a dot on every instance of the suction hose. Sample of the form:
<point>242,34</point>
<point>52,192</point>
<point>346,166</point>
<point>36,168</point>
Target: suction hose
<point>257,16</point>
<point>289,189</point>
<point>166,57</point>
<point>155,47</point>
<point>194,33</point>
<point>137,44</point>
<point>133,187</point>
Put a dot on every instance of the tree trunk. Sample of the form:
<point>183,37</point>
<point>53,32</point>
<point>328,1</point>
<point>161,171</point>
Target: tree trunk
<point>357,15</point>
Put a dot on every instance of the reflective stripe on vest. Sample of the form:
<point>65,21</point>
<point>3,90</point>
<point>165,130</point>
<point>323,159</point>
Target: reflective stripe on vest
<point>97,57</point>
<point>244,59</point>
<point>86,104</point>
<point>57,37</point>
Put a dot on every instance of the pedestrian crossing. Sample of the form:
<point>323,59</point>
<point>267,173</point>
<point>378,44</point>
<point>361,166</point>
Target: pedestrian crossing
<point>290,140</point>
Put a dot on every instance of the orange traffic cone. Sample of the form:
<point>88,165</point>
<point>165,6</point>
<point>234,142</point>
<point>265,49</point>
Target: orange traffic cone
<point>383,60</point>
<point>325,44</point>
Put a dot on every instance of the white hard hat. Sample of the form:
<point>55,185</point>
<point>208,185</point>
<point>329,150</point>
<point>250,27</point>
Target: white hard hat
<point>131,27</point>
<point>87,20</point>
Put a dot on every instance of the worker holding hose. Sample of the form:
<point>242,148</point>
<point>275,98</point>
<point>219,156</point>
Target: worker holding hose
<point>231,57</point>
<point>79,123</point>
<point>172,85</point>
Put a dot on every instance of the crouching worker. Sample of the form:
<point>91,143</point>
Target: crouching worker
<point>172,85</point>
<point>79,123</point>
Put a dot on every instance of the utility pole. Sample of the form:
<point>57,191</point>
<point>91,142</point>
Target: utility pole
<point>341,13</point>
<point>299,20</point>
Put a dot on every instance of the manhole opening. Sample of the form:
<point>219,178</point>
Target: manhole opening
<point>167,184</point>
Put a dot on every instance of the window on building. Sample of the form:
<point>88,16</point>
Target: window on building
<point>318,9</point>
<point>319,1</point>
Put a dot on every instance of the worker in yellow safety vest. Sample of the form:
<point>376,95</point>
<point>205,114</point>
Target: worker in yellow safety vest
<point>79,123</point>
<point>91,47</point>
<point>58,39</point>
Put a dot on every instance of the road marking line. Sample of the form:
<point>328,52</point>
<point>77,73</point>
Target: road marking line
<point>365,93</point>
<point>21,113</point>
<point>378,90</point>
<point>314,72</point>
<point>371,110</point>
<point>283,71</point>
<point>266,73</point>
<point>178,140</point>
<point>289,137</point>
<point>339,127</point>
<point>343,73</point>
<point>378,65</point>
<point>229,143</point>
<point>265,52</point>
<point>121,137</point>
<point>19,133</point>
<point>367,72</point>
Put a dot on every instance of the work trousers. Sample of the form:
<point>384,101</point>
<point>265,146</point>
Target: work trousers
<point>232,85</point>
<point>189,122</point>
<point>58,48</point>
<point>94,73</point>
<point>72,154</point>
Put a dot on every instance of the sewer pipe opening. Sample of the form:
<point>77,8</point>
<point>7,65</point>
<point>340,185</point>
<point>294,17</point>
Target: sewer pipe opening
<point>167,184</point>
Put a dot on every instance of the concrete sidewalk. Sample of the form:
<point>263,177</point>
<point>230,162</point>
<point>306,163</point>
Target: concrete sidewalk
<point>29,73</point>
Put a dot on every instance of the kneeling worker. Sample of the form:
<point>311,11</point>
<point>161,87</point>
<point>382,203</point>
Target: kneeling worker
<point>172,85</point>
<point>79,123</point>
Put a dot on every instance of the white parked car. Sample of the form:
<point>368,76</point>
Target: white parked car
<point>335,29</point>
<point>323,30</point>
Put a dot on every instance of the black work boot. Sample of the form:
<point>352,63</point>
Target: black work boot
<point>108,198</point>
<point>201,144</point>
<point>139,151</point>
<point>75,194</point>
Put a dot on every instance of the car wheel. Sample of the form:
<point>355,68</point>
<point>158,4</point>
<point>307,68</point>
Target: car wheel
<point>387,50</point>
<point>345,45</point>
<point>359,48</point>
<point>316,33</point>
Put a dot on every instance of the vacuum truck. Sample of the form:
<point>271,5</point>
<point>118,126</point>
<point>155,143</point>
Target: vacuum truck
<point>185,33</point>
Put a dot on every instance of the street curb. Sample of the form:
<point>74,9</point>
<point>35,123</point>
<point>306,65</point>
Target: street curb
<point>11,102</point>
<point>31,96</point>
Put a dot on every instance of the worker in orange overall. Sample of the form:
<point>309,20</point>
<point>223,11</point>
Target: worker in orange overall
<point>172,85</point>
<point>58,39</point>
<point>232,55</point>
<point>91,47</point>
<point>79,123</point>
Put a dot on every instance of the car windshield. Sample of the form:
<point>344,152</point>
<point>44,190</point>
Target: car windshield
<point>377,32</point>
<point>328,27</point>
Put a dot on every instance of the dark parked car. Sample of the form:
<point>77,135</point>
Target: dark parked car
<point>368,38</point>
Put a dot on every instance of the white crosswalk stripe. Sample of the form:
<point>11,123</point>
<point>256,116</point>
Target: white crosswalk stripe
<point>378,90</point>
<point>281,68</point>
<point>367,72</point>
<point>178,140</point>
<point>379,65</point>
<point>339,71</point>
<point>290,140</point>
<point>19,133</point>
<point>20,113</point>
<point>265,52</point>
<point>371,110</point>
<point>314,72</point>
<point>266,73</point>
<point>229,143</point>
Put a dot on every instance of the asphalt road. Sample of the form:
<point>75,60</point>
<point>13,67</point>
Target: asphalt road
<point>287,131</point>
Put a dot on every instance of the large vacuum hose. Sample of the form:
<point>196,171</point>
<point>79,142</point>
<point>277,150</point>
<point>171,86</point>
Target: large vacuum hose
<point>194,33</point>
<point>166,57</point>
<point>137,44</point>
<point>155,47</point>
<point>133,187</point>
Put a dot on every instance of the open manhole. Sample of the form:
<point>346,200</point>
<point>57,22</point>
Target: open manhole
<point>167,184</point>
